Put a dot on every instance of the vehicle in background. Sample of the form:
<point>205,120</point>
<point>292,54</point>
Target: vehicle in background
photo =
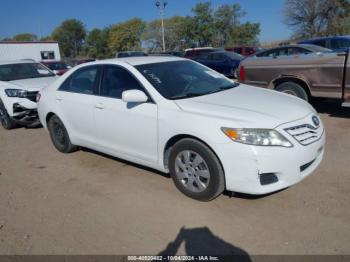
<point>224,62</point>
<point>180,117</point>
<point>130,54</point>
<point>335,43</point>
<point>170,53</point>
<point>289,50</point>
<point>20,82</point>
<point>36,50</point>
<point>304,75</point>
<point>75,62</point>
<point>244,50</point>
<point>195,53</point>
<point>58,67</point>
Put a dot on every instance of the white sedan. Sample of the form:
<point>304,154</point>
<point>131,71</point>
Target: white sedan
<point>178,116</point>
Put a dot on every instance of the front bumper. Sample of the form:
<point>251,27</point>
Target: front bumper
<point>23,110</point>
<point>245,165</point>
<point>25,116</point>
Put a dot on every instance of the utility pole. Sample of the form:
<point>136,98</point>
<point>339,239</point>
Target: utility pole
<point>160,4</point>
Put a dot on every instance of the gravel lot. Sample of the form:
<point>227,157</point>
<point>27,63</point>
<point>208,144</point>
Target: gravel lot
<point>88,203</point>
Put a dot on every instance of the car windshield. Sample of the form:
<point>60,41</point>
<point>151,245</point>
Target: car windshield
<point>57,66</point>
<point>184,79</point>
<point>18,71</point>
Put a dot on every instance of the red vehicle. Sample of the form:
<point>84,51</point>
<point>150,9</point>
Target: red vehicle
<point>58,67</point>
<point>244,50</point>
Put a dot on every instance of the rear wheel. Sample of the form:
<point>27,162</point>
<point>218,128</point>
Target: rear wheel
<point>59,135</point>
<point>294,89</point>
<point>6,121</point>
<point>195,170</point>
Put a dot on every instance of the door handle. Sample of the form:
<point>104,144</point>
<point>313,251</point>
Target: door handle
<point>99,106</point>
<point>59,99</point>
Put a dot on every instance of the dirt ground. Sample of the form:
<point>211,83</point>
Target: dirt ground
<point>87,203</point>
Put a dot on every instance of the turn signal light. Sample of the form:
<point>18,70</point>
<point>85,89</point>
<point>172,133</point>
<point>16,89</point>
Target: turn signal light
<point>38,96</point>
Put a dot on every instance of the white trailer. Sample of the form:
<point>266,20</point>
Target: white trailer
<point>38,50</point>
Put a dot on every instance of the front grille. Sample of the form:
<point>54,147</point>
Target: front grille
<point>32,95</point>
<point>305,134</point>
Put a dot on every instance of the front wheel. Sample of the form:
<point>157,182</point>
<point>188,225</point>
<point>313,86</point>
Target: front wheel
<point>6,121</point>
<point>195,170</point>
<point>59,135</point>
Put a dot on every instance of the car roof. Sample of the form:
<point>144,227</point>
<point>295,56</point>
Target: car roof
<point>325,37</point>
<point>10,62</point>
<point>311,47</point>
<point>141,60</point>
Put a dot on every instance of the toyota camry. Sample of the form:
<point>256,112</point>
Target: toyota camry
<point>178,116</point>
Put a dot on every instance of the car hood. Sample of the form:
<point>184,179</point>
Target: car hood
<point>33,84</point>
<point>249,107</point>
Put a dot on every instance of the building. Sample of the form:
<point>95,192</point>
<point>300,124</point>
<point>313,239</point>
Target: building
<point>36,50</point>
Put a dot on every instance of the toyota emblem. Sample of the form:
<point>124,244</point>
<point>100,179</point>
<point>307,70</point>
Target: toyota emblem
<point>316,121</point>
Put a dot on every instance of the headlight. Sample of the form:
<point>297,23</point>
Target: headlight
<point>258,137</point>
<point>16,93</point>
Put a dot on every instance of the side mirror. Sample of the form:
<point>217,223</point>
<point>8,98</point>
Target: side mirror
<point>134,96</point>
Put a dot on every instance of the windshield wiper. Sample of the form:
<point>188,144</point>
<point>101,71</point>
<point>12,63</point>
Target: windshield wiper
<point>221,88</point>
<point>188,95</point>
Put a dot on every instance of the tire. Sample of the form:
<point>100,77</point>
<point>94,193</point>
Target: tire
<point>59,135</point>
<point>198,178</point>
<point>293,89</point>
<point>6,121</point>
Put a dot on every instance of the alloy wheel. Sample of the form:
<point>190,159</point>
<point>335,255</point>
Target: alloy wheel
<point>192,170</point>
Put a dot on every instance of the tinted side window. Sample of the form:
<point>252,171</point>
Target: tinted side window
<point>249,50</point>
<point>262,54</point>
<point>84,81</point>
<point>190,53</point>
<point>281,51</point>
<point>298,51</point>
<point>218,57</point>
<point>116,80</point>
<point>340,43</point>
<point>320,42</point>
<point>238,50</point>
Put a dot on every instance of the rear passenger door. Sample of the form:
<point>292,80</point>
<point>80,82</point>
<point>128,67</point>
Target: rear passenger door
<point>127,129</point>
<point>76,98</point>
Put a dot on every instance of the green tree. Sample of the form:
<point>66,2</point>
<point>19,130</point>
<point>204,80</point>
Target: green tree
<point>221,27</point>
<point>176,33</point>
<point>25,37</point>
<point>126,36</point>
<point>227,20</point>
<point>310,18</point>
<point>46,38</point>
<point>203,26</point>
<point>70,35</point>
<point>97,43</point>
<point>246,33</point>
